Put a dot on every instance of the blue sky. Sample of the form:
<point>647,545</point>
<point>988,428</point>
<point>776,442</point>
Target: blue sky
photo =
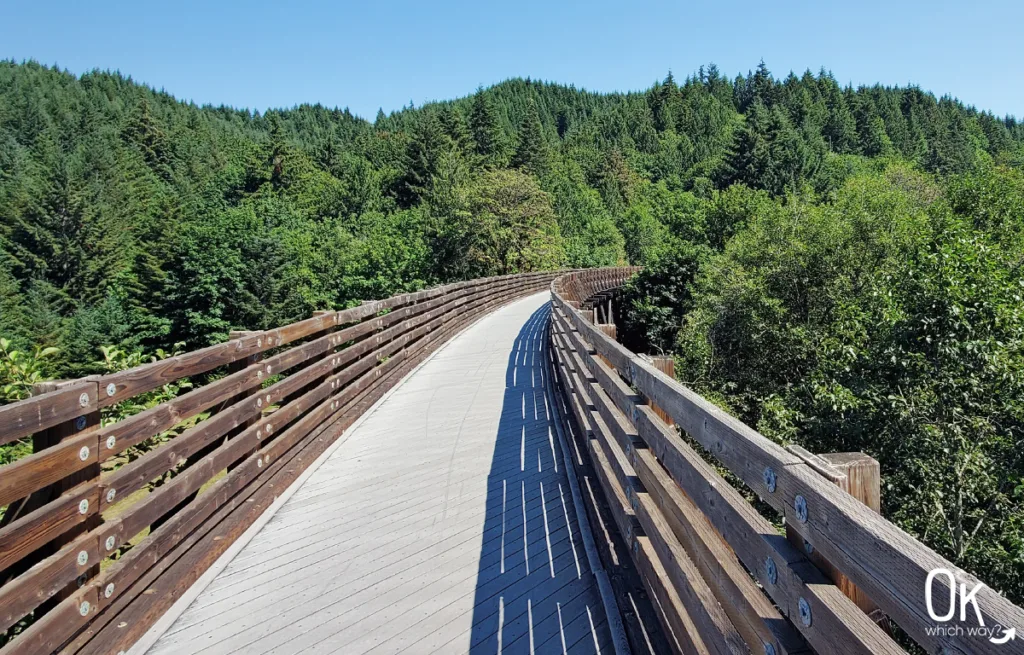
<point>367,55</point>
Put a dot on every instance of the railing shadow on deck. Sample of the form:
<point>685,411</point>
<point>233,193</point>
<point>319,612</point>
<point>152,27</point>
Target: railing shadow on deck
<point>534,591</point>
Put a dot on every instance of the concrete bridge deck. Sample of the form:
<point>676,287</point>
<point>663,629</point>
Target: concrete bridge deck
<point>442,523</point>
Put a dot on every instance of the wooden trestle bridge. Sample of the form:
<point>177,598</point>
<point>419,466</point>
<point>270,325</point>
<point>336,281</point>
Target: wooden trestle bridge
<point>474,468</point>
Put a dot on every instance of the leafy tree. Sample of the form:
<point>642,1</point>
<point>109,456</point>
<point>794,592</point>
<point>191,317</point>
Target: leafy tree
<point>517,229</point>
<point>656,300</point>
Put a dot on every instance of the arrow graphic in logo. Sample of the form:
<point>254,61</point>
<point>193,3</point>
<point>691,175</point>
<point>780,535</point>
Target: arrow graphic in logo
<point>1008,635</point>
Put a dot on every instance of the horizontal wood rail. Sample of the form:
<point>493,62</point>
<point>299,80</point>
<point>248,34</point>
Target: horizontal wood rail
<point>727,579</point>
<point>95,546</point>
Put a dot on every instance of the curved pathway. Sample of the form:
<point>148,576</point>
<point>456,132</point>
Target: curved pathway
<point>443,523</point>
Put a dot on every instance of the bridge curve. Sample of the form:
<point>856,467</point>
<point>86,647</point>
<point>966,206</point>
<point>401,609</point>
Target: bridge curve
<point>442,522</point>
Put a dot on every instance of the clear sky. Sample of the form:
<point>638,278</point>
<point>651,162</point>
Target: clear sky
<point>365,55</point>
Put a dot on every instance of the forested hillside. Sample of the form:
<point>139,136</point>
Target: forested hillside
<point>128,218</point>
<point>838,266</point>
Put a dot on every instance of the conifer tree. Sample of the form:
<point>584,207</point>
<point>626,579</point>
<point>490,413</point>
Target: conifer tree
<point>763,85</point>
<point>532,151</point>
<point>143,131</point>
<point>562,123</point>
<point>840,128</point>
<point>455,126</point>
<point>483,122</point>
<point>422,158</point>
<point>665,104</point>
<point>769,153</point>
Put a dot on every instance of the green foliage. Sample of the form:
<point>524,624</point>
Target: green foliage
<point>885,319</point>
<point>515,225</point>
<point>655,301</point>
<point>115,360</point>
<point>19,372</point>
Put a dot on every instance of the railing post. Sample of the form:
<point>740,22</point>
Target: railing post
<point>233,367</point>
<point>860,476</point>
<point>90,475</point>
<point>241,365</point>
<point>667,365</point>
<point>298,393</point>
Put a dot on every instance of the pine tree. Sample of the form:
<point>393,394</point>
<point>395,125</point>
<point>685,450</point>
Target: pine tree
<point>143,131</point>
<point>665,104</point>
<point>840,128</point>
<point>874,141</point>
<point>769,153</point>
<point>422,158</point>
<point>12,304</point>
<point>532,151</point>
<point>483,122</point>
<point>562,123</point>
<point>764,85</point>
<point>950,149</point>
<point>718,85</point>
<point>278,149</point>
<point>455,126</point>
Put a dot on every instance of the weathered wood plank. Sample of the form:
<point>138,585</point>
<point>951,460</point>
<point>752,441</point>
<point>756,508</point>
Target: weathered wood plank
<point>23,536</point>
<point>37,413</point>
<point>46,579</point>
<point>717,631</point>
<point>751,612</point>
<point>49,633</point>
<point>44,468</point>
<point>838,625</point>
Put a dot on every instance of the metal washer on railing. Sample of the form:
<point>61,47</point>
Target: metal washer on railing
<point>800,507</point>
<point>805,612</point>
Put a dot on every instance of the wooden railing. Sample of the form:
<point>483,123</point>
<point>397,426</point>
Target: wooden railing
<point>95,545</point>
<point>725,577</point>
